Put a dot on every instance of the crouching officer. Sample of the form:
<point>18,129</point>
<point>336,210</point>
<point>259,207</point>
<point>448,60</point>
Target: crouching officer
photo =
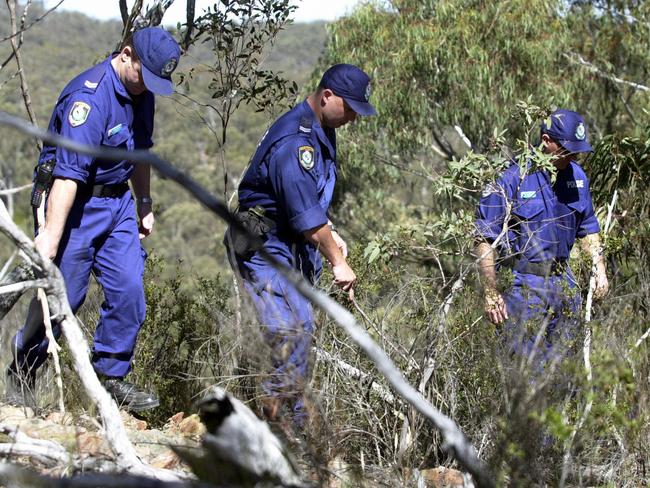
<point>91,223</point>
<point>543,220</point>
<point>284,198</point>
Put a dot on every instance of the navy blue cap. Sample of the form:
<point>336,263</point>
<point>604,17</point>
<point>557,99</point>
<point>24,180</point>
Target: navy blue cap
<point>159,54</point>
<point>352,84</point>
<point>568,129</point>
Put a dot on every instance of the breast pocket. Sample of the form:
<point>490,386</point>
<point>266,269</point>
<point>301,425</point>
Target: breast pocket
<point>120,137</point>
<point>527,209</point>
<point>527,217</point>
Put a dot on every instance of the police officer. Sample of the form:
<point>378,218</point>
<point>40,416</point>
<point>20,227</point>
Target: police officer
<point>543,220</point>
<point>91,223</point>
<point>284,198</point>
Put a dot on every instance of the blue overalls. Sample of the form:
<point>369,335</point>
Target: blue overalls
<point>291,176</point>
<point>545,220</point>
<point>101,232</point>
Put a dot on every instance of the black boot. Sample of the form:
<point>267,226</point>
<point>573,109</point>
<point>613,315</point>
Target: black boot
<point>128,395</point>
<point>19,389</point>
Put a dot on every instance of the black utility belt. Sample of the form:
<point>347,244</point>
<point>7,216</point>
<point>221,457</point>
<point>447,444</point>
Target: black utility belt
<point>257,222</point>
<point>542,268</point>
<point>110,191</point>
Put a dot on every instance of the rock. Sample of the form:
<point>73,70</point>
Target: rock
<point>92,444</point>
<point>130,422</point>
<point>15,415</point>
<point>167,460</point>
<point>57,418</point>
<point>173,422</point>
<point>442,477</point>
<point>191,426</point>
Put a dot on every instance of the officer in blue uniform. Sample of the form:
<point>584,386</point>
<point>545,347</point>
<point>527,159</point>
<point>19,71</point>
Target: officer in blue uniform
<point>91,223</point>
<point>284,198</point>
<point>542,221</point>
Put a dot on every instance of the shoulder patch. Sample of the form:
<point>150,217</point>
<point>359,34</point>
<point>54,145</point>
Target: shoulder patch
<point>305,124</point>
<point>306,157</point>
<point>78,113</point>
<point>489,189</point>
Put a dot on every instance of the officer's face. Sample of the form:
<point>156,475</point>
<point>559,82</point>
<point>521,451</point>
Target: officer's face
<point>133,75</point>
<point>336,112</point>
<point>562,156</point>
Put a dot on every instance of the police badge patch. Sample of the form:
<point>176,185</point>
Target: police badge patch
<point>306,157</point>
<point>169,68</point>
<point>78,113</point>
<point>580,132</point>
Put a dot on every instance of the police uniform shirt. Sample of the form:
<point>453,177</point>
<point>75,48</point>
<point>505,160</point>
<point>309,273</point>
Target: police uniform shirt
<point>545,218</point>
<point>293,172</point>
<point>95,109</point>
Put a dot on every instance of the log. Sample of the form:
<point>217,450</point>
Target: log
<point>238,448</point>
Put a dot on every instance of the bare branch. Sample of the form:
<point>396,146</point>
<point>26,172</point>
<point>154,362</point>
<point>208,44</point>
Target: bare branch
<point>35,21</point>
<point>189,23</point>
<point>579,60</point>
<point>238,447</point>
<point>355,373</point>
<point>12,191</point>
<point>23,286</point>
<point>24,87</point>
<point>124,12</point>
<point>24,477</point>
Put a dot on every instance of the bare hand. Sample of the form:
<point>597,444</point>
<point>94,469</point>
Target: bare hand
<point>602,285</point>
<point>343,247</point>
<point>345,278</point>
<point>495,307</point>
<point>145,213</point>
<point>46,245</point>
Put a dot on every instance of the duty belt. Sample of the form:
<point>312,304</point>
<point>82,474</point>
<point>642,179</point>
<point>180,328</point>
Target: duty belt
<point>542,268</point>
<point>110,191</point>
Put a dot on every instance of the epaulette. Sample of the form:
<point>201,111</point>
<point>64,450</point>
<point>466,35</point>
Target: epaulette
<point>305,124</point>
<point>87,81</point>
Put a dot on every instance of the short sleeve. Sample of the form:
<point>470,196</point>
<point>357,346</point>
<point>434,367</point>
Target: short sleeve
<point>295,186</point>
<point>81,121</point>
<point>491,209</point>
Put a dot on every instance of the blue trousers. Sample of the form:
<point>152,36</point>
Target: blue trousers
<point>286,316</point>
<point>101,236</point>
<point>535,301</point>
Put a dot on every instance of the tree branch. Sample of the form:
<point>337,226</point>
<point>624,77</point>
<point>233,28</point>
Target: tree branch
<point>24,87</point>
<point>579,60</point>
<point>23,29</point>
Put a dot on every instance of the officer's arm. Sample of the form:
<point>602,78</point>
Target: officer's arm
<point>322,238</point>
<point>495,306</point>
<point>486,264</point>
<point>141,181</point>
<point>59,203</point>
<point>591,245</point>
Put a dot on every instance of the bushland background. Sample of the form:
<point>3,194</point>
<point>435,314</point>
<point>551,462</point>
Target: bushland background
<point>460,86</point>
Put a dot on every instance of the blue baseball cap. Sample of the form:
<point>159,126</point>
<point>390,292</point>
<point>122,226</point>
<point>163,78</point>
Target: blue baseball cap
<point>352,85</point>
<point>568,129</point>
<point>159,54</point>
